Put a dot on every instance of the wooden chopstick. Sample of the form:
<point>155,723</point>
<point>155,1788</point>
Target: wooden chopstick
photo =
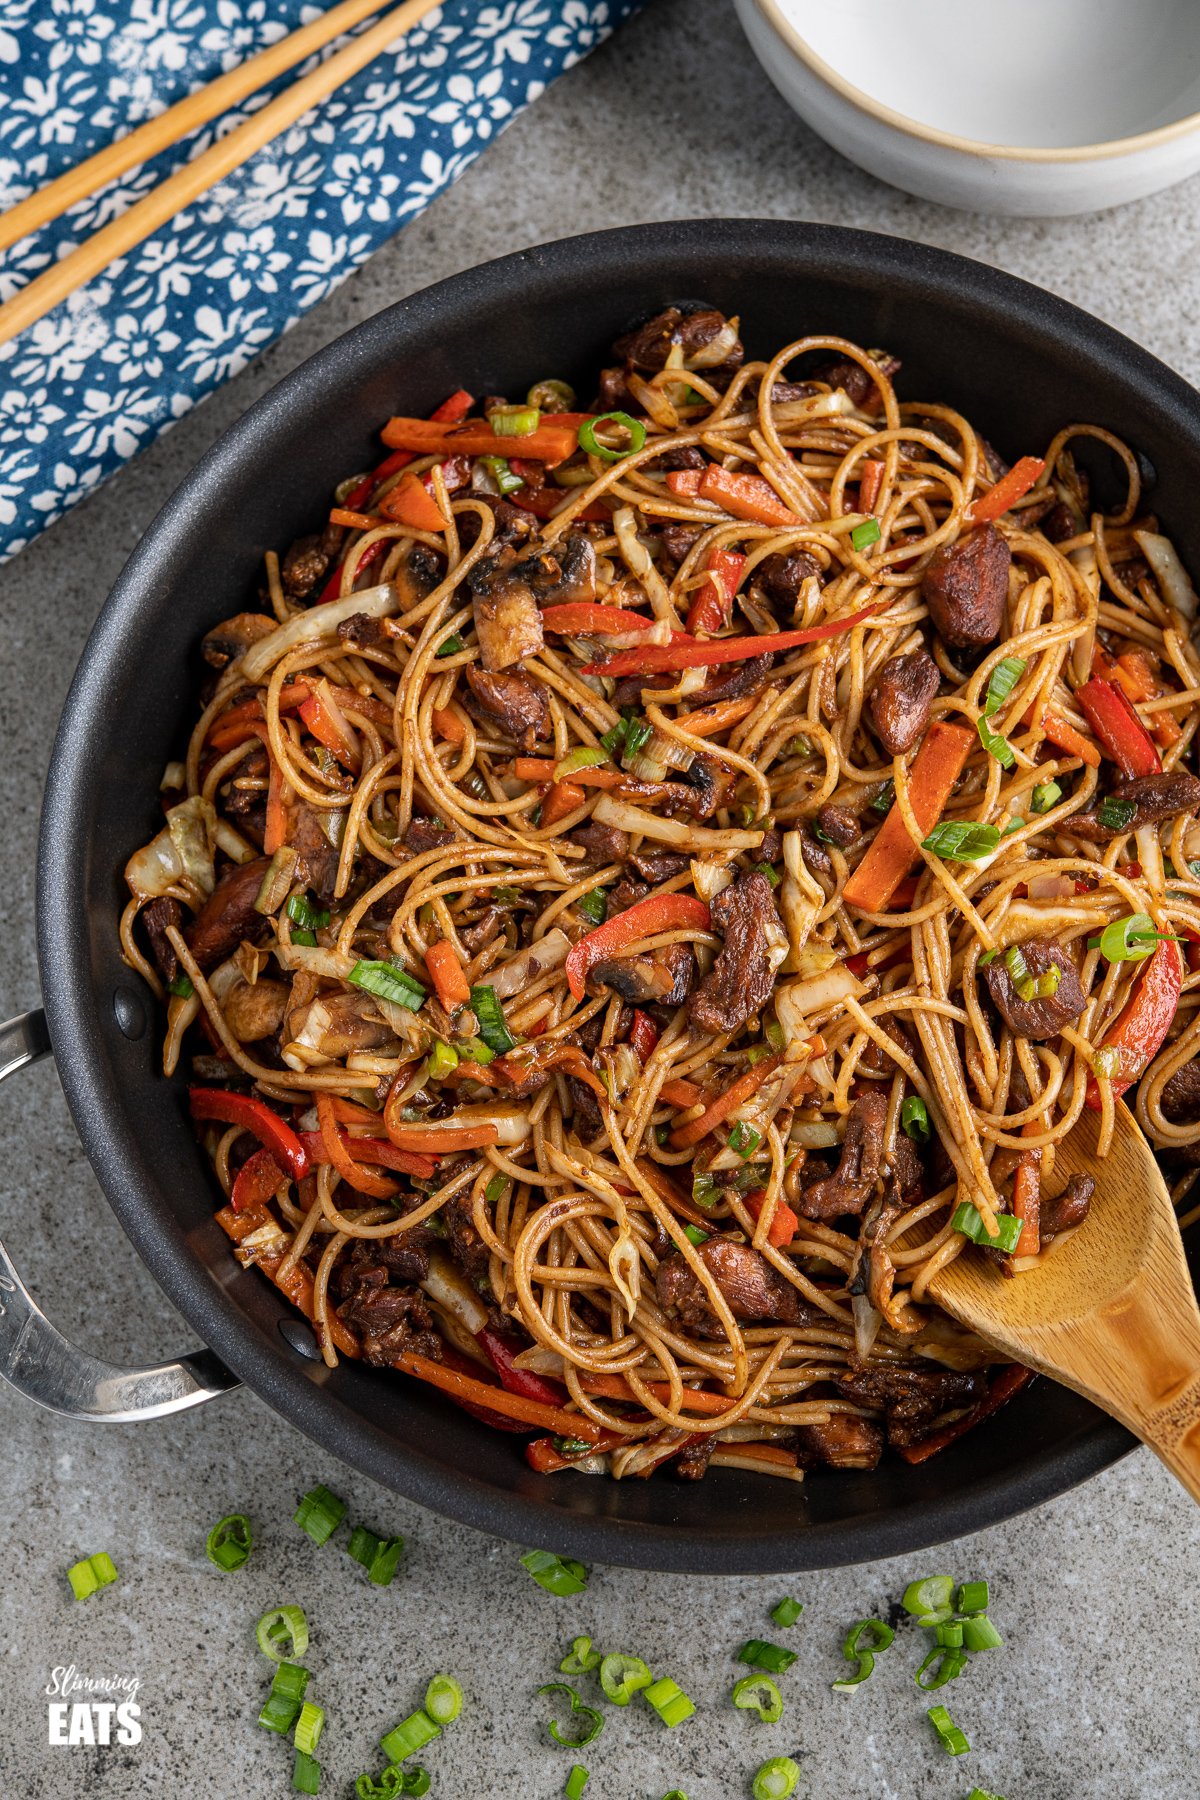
<point>179,190</point>
<point>187,115</point>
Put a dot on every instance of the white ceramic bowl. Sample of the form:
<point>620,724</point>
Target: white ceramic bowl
<point>1028,107</point>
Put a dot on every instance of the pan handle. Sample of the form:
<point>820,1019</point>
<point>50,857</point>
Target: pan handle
<point>38,1361</point>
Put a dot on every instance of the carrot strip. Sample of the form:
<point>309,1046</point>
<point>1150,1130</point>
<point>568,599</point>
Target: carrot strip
<point>1027,1195</point>
<point>297,1284</point>
<point>445,972</point>
<point>725,1103</point>
<point>763,1453</point>
<point>443,1137</point>
<point>349,1112</point>
<point>706,721</point>
<point>411,503</point>
<point>678,1092</point>
<point>745,496</point>
<point>684,483</point>
<point>448,725</point>
<point>615,1387</point>
<point>1008,490</point>
<point>229,728</point>
<point>784,1223</point>
<point>378,1187</point>
<point>319,715</point>
<point>497,1399</point>
<point>551,443</point>
<point>936,767</point>
<point>354,521</point>
<point>563,798</point>
<point>1065,737</point>
<point>869,483</point>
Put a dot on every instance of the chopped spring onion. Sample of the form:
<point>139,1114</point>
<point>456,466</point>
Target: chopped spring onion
<point>308,939</point>
<point>514,421</point>
<point>286,1698</point>
<point>983,1794</point>
<point>320,1513</point>
<point>744,1139</point>
<point>443,1060</point>
<point>704,1191</point>
<point>557,1574</point>
<point>584,756</point>
<point>885,799</point>
<point>593,906</point>
<point>770,874</point>
<point>388,1787</point>
<point>1014,962</point>
<point>1045,795</point>
<point>758,1693</point>
<point>1040,987</point>
<point>475,1050</point>
<point>581,1657</point>
<point>770,1657</point>
<point>622,1676</point>
<point>576,1781</point>
<point>302,912</point>
<point>378,1556</point>
<point>973,1597</point>
<point>290,1679</point>
<point>950,1637</point>
<point>494,1190</point>
<point>1001,682</point>
<point>181,987</point>
<point>694,1235</point>
<point>306,1774</point>
<point>980,1634</point>
<point>493,1028</point>
<point>800,746</point>
<point>669,1701</point>
<point>952,1738</point>
<point>969,1220</point>
<point>594,445</point>
<point>573,1446</point>
<point>363,1546</point>
<point>282,1633</point>
<point>414,1780</point>
<point>928,1600</point>
<point>412,1734</point>
<point>786,1612</point>
<point>309,1727</point>
<point>443,1699</point>
<point>450,646</point>
<point>776,1780</point>
<point>1115,815</point>
<point>848,1683</point>
<point>500,472</point>
<point>914,1119</point>
<point>595,1719</point>
<point>1130,939</point>
<point>962,840</point>
<point>229,1542</point>
<point>93,1573</point>
<point>878,1637</point>
<point>864,535</point>
<point>551,396</point>
<point>945,1664</point>
<point>389,982</point>
<point>995,745</point>
<point>1107,1061</point>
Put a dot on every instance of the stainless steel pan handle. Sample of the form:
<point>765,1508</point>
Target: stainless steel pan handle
<point>37,1360</point>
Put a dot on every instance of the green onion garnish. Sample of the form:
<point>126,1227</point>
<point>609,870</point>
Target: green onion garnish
<point>758,1693</point>
<point>973,1597</point>
<point>493,1028</point>
<point>595,1719</point>
<point>593,445</point>
<point>450,646</point>
<point>514,421</point>
<point>443,1060</point>
<point>983,1794</point>
<point>1001,682</point>
<point>770,1657</point>
<point>388,1787</point>
<point>861,1643</point>
<point>864,535</point>
<point>637,736</point>
<point>475,1050</point>
<point>573,1446</point>
<point>980,1634</point>
<point>995,745</point>
<point>694,1235</point>
<point>576,1781</point>
<point>885,799</point>
<point>412,1734</point>
<point>744,1139</point>
<point>282,1633</point>
<point>962,840</point>
<point>363,1546</point>
<point>914,1119</point>
<point>387,981</point>
<point>320,1513</point>
<point>309,1727</point>
<point>286,1698</point>
<point>304,913</point>
<point>593,906</point>
<point>494,1190</point>
<point>786,1612</point>
<point>181,987</point>
<point>1129,940</point>
<point>583,756</point>
<point>969,1220</point>
<point>557,1574</point>
<point>622,1676</point>
<point>946,1664</point>
<point>928,1600</point>
<point>443,1699</point>
<point>229,1542</point>
<point>952,1738</point>
<point>776,1780</point>
<point>306,1772</point>
<point>848,1683</point>
<point>581,1657</point>
<point>497,467</point>
<point>1045,795</point>
<point>949,1637</point>
<point>669,1701</point>
<point>378,1556</point>
<point>414,1780</point>
<point>1115,815</point>
<point>93,1573</point>
<point>551,396</point>
<point>308,939</point>
<point>704,1191</point>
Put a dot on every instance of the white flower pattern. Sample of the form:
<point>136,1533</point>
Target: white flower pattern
<point>98,379</point>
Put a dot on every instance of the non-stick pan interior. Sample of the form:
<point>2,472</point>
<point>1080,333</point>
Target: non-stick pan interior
<point>1018,362</point>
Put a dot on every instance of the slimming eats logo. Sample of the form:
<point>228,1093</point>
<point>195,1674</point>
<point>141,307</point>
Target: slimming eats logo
<point>113,1716</point>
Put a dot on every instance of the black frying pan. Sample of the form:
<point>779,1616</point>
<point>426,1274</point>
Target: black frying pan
<point>1018,361</point>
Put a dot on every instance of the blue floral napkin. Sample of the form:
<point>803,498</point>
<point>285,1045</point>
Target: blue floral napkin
<point>97,379</point>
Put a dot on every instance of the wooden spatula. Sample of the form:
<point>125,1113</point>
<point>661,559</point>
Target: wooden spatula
<point>1111,1312</point>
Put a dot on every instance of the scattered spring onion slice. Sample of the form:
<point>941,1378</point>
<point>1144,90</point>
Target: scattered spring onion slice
<point>181,987</point>
<point>704,1191</point>
<point>414,1780</point>
<point>928,1600</point>
<point>309,1727</point>
<point>450,646</point>
<point>388,1787</point>
<point>980,1634</point>
<point>770,1657</point>
<point>996,745</point>
<point>1115,815</point>
<point>93,1573</point>
<point>962,840</point>
<point>594,445</point>
<point>229,1542</point>
<point>494,1190</point>
<point>946,1665</point>
<point>443,1060</point>
<point>412,1734</point>
<point>776,1779</point>
<point>914,1119</point>
<point>576,1781</point>
<point>786,1612</point>
<point>758,1693</point>
<point>282,1633</point>
<point>973,1597</point>
<point>306,1773</point>
<point>388,981</point>
<point>320,1513</point>
<point>443,1699</point>
<point>848,1683</point>
<point>953,1740</point>
<point>378,1556</point>
<point>669,1701</point>
<point>864,535</point>
<point>1107,1061</point>
<point>557,1574</point>
<point>622,1676</point>
<point>950,1636</point>
<point>694,1235</point>
<point>878,1636</point>
<point>744,1139</point>
<point>1045,795</point>
<point>593,906</point>
<point>983,1794</point>
<point>275,883</point>
<point>493,1027</point>
<point>363,1546</point>
<point>969,1220</point>
<point>581,1657</point>
<point>594,1718</point>
<point>285,1700</point>
<point>584,756</point>
<point>551,396</point>
<point>1001,682</point>
<point>304,913</point>
<point>500,472</point>
<point>885,799</point>
<point>514,421</point>
<point>1131,939</point>
<point>770,874</point>
<point>475,1050</point>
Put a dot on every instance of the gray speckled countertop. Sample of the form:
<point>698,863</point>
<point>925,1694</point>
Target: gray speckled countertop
<point>1094,1697</point>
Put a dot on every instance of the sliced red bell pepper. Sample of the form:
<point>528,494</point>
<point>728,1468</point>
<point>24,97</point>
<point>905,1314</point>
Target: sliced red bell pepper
<point>1008,490</point>
<point>367,560</point>
<point>585,616</point>
<point>502,1353</point>
<point>686,652</point>
<point>545,502</point>
<point>454,408</point>
<point>1138,1031</point>
<point>258,1178</point>
<point>661,912</point>
<point>643,1034</point>
<point>712,608</point>
<point>1122,734</point>
<point>1011,1379</point>
<point>255,1116</point>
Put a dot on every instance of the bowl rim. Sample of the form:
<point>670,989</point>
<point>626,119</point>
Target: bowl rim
<point>1105,149</point>
<point>74,1008</point>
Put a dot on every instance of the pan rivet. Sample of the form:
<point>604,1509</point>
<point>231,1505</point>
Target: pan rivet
<point>299,1338</point>
<point>129,1012</point>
